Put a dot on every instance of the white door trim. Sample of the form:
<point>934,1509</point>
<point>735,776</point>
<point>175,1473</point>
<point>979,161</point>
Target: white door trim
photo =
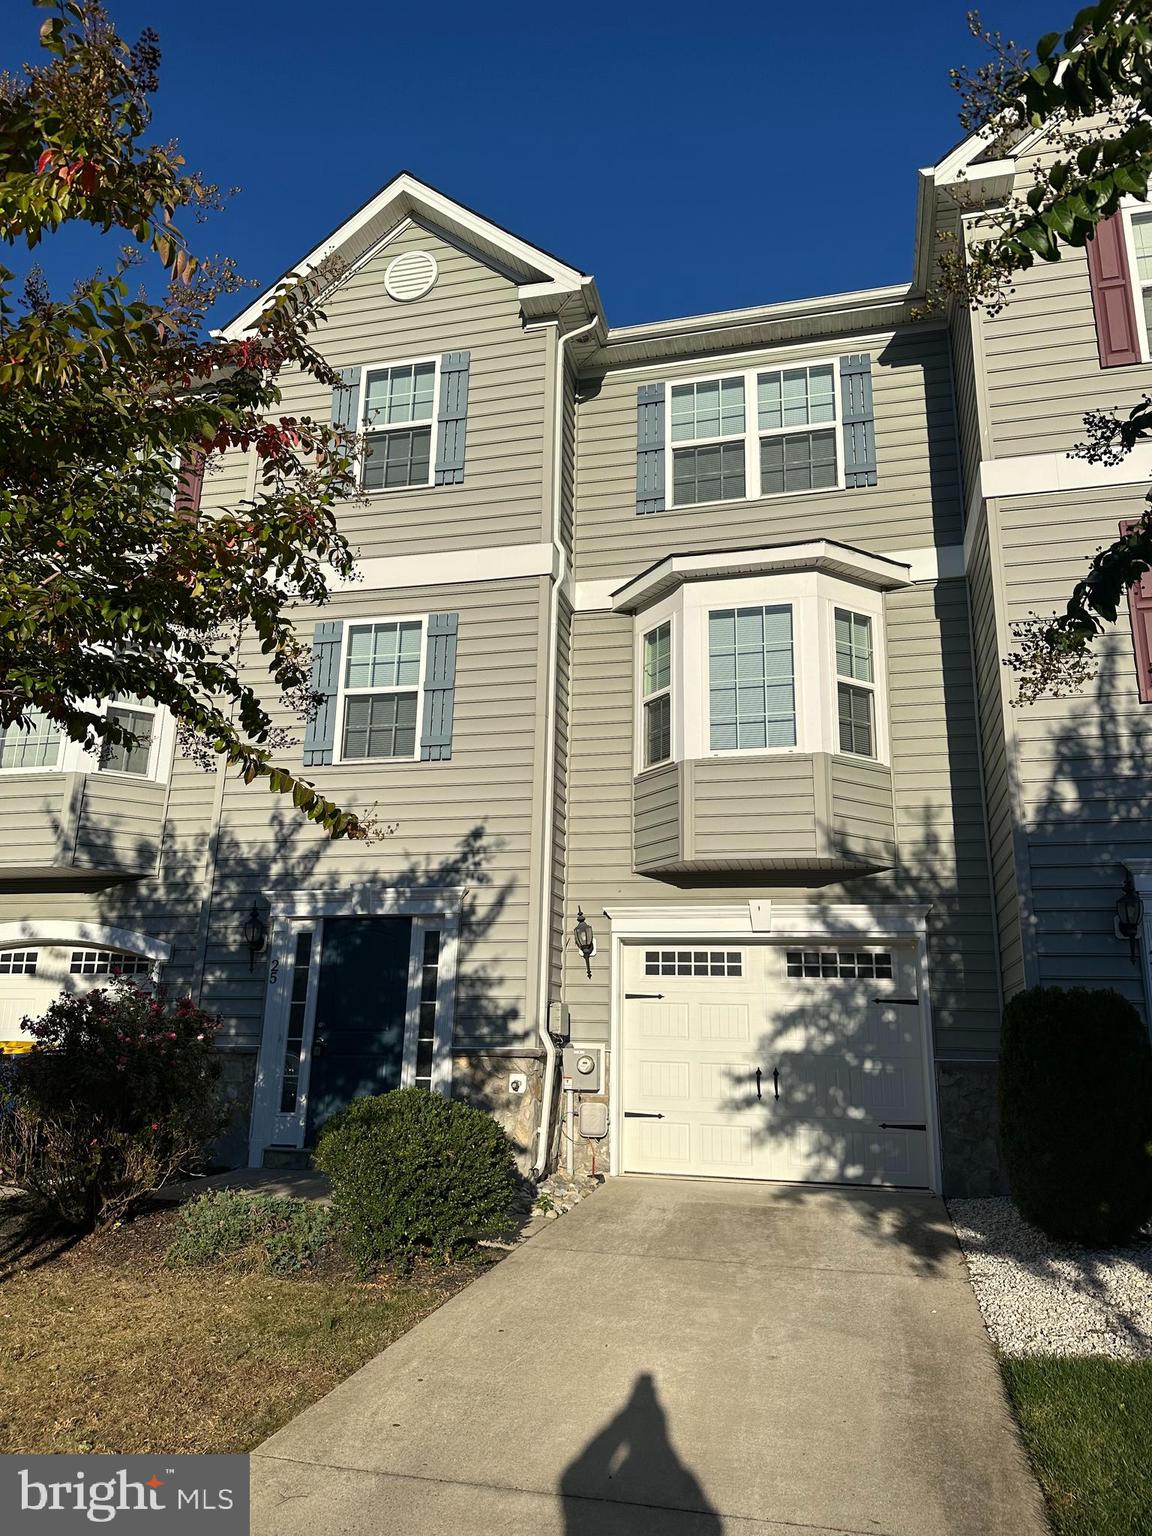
<point>763,920</point>
<point>295,911</point>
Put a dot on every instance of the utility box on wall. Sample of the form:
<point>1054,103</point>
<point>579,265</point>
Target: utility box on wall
<point>582,1068</point>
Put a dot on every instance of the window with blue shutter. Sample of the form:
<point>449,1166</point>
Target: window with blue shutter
<point>859,421</point>
<point>650,448</point>
<point>439,687</point>
<point>452,422</point>
<point>320,737</point>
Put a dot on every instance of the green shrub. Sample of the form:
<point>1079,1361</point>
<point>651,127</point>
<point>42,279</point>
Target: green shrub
<point>119,1094</point>
<point>414,1174</point>
<point>1076,1113</point>
<point>267,1231</point>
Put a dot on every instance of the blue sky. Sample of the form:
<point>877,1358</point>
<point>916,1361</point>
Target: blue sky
<point>693,158</point>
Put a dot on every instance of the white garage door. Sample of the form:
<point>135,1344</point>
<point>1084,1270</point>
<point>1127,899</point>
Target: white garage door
<point>774,1062</point>
<point>34,975</point>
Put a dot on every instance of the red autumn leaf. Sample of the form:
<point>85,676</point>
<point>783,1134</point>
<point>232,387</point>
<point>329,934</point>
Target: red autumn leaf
<point>45,161</point>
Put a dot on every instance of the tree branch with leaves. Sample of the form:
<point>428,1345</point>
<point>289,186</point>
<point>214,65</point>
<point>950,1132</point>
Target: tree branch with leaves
<point>112,584</point>
<point>1090,88</point>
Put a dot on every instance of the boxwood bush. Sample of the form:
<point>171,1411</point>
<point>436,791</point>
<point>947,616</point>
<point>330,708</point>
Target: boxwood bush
<point>417,1175</point>
<point>1076,1113</point>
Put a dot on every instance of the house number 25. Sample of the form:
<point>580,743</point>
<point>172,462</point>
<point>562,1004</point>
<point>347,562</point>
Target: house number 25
<point>273,972</point>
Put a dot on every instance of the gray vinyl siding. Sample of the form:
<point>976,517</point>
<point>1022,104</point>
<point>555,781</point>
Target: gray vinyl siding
<point>862,807</point>
<point>119,824</point>
<point>34,816</point>
<point>464,822</point>
<point>656,831</point>
<point>916,502</point>
<point>1081,763</point>
<point>989,649</point>
<point>936,793</point>
<point>1041,358</point>
<point>471,308</point>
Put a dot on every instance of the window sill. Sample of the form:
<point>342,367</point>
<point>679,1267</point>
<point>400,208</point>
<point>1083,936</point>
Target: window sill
<point>398,490</point>
<point>740,501</point>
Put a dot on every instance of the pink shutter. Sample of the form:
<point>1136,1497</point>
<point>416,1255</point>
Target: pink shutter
<point>190,484</point>
<point>1140,612</point>
<point>1116,333</point>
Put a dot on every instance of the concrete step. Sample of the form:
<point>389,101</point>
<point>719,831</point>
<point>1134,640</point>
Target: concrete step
<point>286,1157</point>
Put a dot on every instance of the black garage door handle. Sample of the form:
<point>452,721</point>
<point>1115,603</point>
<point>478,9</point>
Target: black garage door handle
<point>901,1125</point>
<point>641,1114</point>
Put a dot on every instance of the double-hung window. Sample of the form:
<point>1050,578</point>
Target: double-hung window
<point>658,695</point>
<point>855,683</point>
<point>398,406</point>
<point>135,759</point>
<point>382,669</point>
<point>1142,250</point>
<point>751,678</point>
<point>708,441</point>
<point>34,745</point>
<point>788,399</point>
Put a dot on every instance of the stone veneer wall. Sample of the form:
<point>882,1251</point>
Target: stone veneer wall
<point>970,1128</point>
<point>481,1078</point>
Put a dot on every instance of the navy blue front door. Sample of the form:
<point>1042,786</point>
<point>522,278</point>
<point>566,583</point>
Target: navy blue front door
<point>361,1001</point>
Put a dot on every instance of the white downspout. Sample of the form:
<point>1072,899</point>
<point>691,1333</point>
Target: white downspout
<point>543,1132</point>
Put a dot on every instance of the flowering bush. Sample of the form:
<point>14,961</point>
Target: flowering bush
<point>119,1094</point>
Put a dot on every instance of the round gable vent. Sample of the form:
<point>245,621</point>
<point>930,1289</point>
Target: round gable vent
<point>410,275</point>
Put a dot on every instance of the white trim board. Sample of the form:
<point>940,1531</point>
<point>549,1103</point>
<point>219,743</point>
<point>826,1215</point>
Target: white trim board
<point>56,931</point>
<point>454,567</point>
<point>368,901</point>
<point>1037,473</point>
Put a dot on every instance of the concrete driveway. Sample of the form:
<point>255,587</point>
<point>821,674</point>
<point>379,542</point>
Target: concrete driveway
<point>678,1358</point>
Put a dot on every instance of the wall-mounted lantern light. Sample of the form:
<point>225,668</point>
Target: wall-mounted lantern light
<point>255,932</point>
<point>585,939</point>
<point>1130,913</point>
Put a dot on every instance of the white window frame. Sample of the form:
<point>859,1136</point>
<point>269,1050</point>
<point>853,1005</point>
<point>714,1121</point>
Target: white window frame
<point>73,756</point>
<point>813,597</point>
<point>1129,209</point>
<point>365,433</point>
<point>642,698</point>
<point>857,682</point>
<point>342,692</point>
<point>753,433</point>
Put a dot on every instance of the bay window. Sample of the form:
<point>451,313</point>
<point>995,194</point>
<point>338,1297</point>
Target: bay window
<point>790,661</point>
<point>35,745</point>
<point>40,746</point>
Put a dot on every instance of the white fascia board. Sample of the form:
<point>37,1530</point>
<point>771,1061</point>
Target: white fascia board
<point>1035,474</point>
<point>893,294</point>
<point>407,193</point>
<point>816,554</point>
<point>767,920</point>
<point>367,900</point>
<point>502,562</point>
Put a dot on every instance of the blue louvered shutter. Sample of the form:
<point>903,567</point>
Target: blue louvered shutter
<point>439,688</point>
<point>859,420</point>
<point>650,448</point>
<point>344,399</point>
<point>320,736</point>
<point>452,423</point>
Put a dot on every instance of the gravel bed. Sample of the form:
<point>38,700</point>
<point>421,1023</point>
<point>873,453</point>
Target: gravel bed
<point>1042,1297</point>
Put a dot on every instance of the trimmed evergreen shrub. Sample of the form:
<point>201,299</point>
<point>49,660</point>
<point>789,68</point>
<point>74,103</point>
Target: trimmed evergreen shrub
<point>415,1174</point>
<point>1076,1113</point>
<point>270,1232</point>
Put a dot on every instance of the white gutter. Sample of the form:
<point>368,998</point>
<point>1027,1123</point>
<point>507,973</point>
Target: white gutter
<point>543,1132</point>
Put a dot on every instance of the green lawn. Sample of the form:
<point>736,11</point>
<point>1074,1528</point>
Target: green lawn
<point>1088,1428</point>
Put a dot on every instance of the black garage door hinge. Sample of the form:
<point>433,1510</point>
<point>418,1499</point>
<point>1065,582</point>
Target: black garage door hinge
<point>901,1125</point>
<point>641,1114</point>
<point>903,1002</point>
<point>628,996</point>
